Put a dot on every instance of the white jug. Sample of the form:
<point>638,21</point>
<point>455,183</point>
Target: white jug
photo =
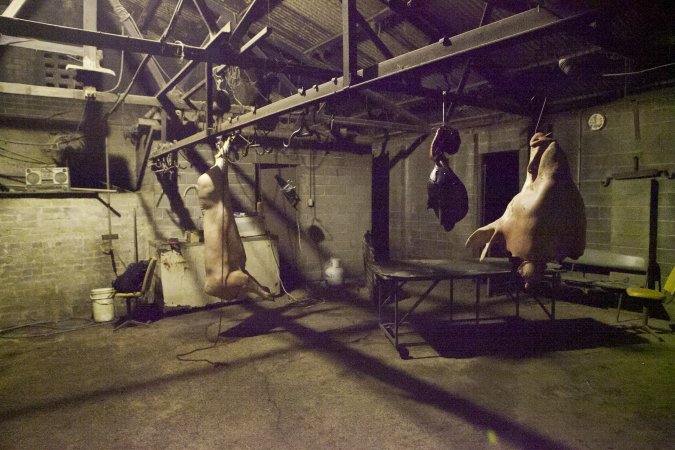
<point>334,273</point>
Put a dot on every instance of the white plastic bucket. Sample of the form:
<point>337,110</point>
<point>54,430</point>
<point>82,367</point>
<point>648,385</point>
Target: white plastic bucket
<point>334,273</point>
<point>102,306</point>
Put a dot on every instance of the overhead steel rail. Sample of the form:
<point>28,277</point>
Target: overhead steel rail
<point>510,30</point>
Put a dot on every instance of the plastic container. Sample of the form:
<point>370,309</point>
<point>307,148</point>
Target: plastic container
<point>102,306</point>
<point>334,273</point>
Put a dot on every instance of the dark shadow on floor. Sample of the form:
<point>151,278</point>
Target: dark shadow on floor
<point>520,338</point>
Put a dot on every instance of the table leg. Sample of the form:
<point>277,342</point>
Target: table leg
<point>396,315</point>
<point>477,299</point>
<point>452,296</point>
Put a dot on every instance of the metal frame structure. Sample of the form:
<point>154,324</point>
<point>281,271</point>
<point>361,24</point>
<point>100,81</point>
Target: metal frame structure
<point>490,36</point>
<point>224,46</point>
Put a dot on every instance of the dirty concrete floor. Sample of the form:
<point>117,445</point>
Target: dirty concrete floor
<point>316,372</point>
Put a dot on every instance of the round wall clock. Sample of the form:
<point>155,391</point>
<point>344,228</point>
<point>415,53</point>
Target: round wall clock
<point>596,121</point>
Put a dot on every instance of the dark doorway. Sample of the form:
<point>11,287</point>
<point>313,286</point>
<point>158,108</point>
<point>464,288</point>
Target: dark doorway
<point>500,184</point>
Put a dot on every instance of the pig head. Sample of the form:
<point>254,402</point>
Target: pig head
<point>546,220</point>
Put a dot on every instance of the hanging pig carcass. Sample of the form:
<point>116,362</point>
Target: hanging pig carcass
<point>546,220</point>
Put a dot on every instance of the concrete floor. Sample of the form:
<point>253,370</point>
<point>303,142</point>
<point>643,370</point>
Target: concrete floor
<point>317,373</point>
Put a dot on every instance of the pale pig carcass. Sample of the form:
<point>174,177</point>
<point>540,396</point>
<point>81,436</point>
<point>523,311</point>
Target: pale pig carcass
<point>546,220</point>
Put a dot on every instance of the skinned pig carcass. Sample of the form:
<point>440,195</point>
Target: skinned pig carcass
<point>546,220</point>
<point>224,255</point>
<point>446,193</point>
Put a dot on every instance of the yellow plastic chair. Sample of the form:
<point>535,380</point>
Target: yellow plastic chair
<point>129,319</point>
<point>649,298</point>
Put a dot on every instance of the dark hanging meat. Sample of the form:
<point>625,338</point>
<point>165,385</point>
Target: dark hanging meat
<point>447,195</point>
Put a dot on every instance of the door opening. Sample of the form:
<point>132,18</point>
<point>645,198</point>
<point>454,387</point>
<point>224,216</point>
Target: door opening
<point>500,181</point>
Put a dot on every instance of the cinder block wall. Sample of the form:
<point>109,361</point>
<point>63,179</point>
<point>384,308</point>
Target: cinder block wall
<point>415,230</point>
<point>52,254</point>
<point>340,185</point>
<point>617,215</point>
<point>51,250</point>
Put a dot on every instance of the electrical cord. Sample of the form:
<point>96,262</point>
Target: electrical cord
<point>46,324</point>
<point>182,356</point>
<point>637,72</point>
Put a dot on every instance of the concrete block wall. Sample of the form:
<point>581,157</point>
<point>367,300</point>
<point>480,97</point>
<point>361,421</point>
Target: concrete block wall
<point>415,230</point>
<point>52,254</point>
<point>51,251</point>
<point>617,215</point>
<point>341,190</point>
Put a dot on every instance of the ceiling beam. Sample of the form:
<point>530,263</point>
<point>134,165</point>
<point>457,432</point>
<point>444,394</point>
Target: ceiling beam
<point>368,123</point>
<point>215,54</point>
<point>129,25</point>
<point>44,46</point>
<point>349,50</point>
<point>77,36</point>
<point>374,38</point>
<point>13,8</point>
<point>337,38</point>
<point>74,94</point>
<point>244,23</point>
<point>147,14</point>
<point>207,16</point>
<point>526,25</point>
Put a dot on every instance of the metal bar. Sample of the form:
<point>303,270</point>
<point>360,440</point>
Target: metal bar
<point>147,13</point>
<point>76,36</point>
<point>396,323</point>
<point>132,30</point>
<point>487,10</point>
<point>182,73</point>
<point>146,155</point>
<point>335,39</point>
<point>419,300</point>
<point>254,40</point>
<point>243,24</point>
<point>75,94</point>
<point>208,80</point>
<point>206,15</point>
<point>13,8</point>
<point>348,42</point>
<point>185,70</point>
<point>35,44</point>
<point>393,107</point>
<point>190,92</point>
<point>342,120</point>
<point>290,86</point>
<point>506,31</point>
<point>365,26</point>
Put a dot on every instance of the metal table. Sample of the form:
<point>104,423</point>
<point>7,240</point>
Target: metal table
<point>391,276</point>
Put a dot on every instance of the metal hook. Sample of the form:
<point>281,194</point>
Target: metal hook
<point>444,94</point>
<point>291,137</point>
